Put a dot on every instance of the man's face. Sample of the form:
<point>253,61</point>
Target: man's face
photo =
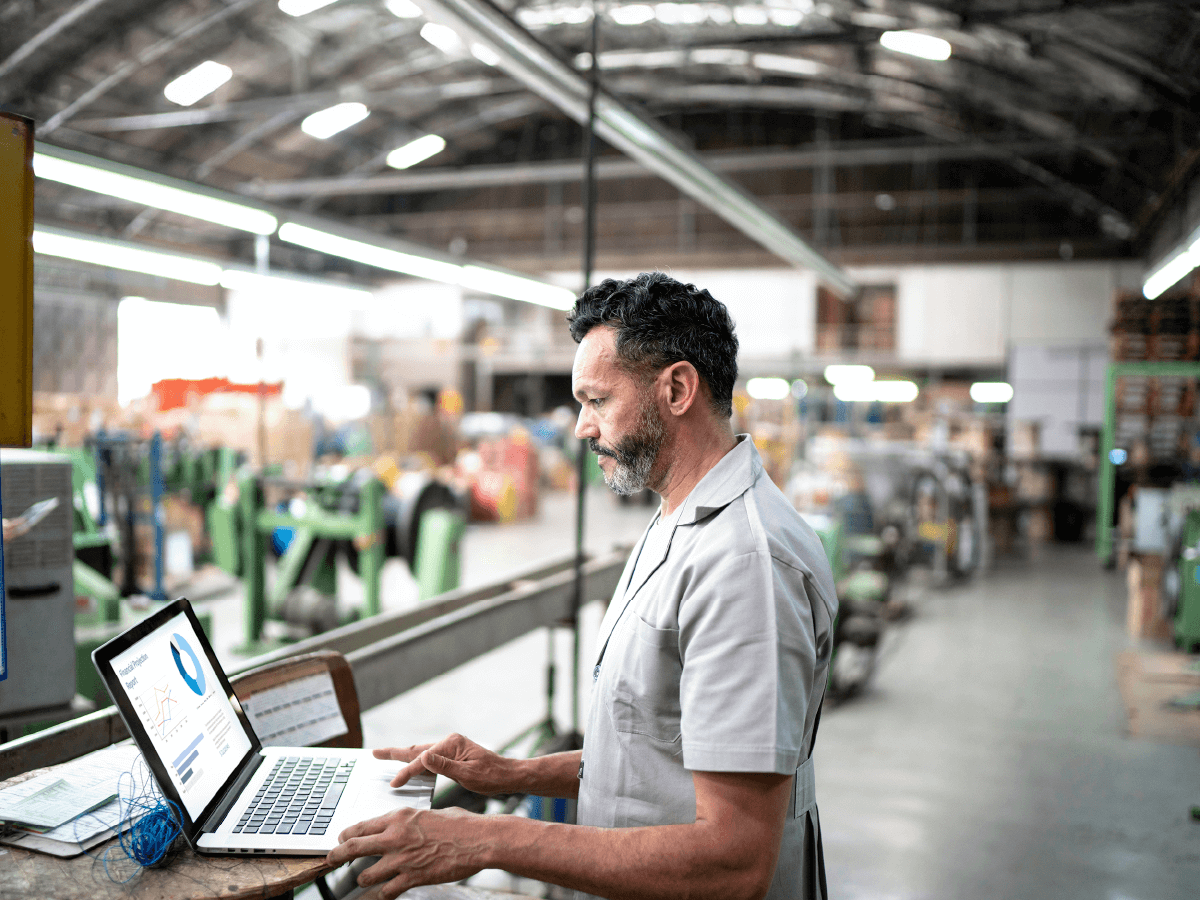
<point>618,416</point>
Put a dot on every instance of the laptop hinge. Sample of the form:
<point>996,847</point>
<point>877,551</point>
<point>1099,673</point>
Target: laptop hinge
<point>217,816</point>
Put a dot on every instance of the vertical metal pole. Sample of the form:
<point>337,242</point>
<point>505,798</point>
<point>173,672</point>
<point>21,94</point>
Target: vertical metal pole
<point>1108,475</point>
<point>253,559</point>
<point>100,455</point>
<point>589,255</point>
<point>156,510</point>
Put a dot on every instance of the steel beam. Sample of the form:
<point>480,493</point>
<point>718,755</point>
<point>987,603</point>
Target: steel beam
<point>843,155</point>
<point>155,51</point>
<point>295,104</point>
<point>633,133</point>
<point>47,34</point>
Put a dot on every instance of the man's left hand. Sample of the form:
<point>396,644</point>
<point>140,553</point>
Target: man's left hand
<point>416,846</point>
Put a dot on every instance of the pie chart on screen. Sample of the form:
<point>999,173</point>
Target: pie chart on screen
<point>180,648</point>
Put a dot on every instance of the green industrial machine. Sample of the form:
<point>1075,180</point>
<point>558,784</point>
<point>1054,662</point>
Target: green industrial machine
<point>309,523</point>
<point>1187,609</point>
<point>1105,499</point>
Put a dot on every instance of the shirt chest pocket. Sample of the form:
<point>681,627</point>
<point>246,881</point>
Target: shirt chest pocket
<point>646,683</point>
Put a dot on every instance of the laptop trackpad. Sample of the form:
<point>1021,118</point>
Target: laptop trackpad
<point>375,796</point>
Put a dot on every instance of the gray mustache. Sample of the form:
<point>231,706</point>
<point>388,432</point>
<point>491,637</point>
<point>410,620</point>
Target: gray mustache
<point>595,447</point>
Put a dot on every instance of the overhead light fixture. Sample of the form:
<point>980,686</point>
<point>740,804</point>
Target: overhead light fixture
<point>328,122</point>
<point>485,55</point>
<point>787,65</point>
<point>303,7</point>
<point>799,388</point>
<point>197,83</point>
<point>546,16</point>
<point>750,15</point>
<point>679,13</point>
<point>768,388</point>
<point>277,285</point>
<point>120,255</point>
<point>369,254</point>
<point>516,287</point>
<point>634,14</point>
<point>152,193</point>
<point>914,43</point>
<point>876,392</point>
<point>991,392</point>
<point>416,151</point>
<point>404,9</point>
<point>444,38</point>
<point>1172,271</point>
<point>849,374</point>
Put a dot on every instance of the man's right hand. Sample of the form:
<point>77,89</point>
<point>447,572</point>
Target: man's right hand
<point>457,758</point>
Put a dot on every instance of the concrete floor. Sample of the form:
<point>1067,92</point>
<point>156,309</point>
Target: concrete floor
<point>988,756</point>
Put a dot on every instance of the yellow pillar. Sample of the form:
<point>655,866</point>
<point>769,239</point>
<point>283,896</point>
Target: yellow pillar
<point>16,285</point>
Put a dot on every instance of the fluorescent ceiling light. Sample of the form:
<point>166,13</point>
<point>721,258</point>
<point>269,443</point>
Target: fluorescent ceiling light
<point>151,193</point>
<point>788,18</point>
<point>876,392</point>
<point>1170,272</point>
<point>370,254</point>
<point>330,121</point>
<point>444,38</point>
<point>403,9</point>
<point>283,285</point>
<point>302,7</point>
<point>634,14</point>
<point>842,374</point>
<point>914,43</point>
<point>750,15</point>
<point>679,13</point>
<point>516,287</point>
<point>991,392</point>
<point>485,55</point>
<point>720,56</point>
<point>768,388</point>
<point>719,13</point>
<point>116,255</point>
<point>478,278</point>
<point>544,16</point>
<point>415,151</point>
<point>788,65</point>
<point>197,83</point>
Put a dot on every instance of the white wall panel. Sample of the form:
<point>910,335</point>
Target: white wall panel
<point>951,314</point>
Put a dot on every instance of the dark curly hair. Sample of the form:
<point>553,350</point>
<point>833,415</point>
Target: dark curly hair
<point>659,322</point>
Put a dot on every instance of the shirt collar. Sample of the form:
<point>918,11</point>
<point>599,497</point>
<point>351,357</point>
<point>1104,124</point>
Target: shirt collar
<point>731,477</point>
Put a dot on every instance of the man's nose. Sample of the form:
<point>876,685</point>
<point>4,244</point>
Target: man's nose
<point>584,426</point>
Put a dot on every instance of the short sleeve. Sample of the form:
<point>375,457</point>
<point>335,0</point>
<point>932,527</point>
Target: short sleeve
<point>748,655</point>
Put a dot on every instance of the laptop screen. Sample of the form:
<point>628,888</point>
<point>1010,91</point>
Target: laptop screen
<point>189,721</point>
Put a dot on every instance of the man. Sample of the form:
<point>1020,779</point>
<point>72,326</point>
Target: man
<point>695,779</point>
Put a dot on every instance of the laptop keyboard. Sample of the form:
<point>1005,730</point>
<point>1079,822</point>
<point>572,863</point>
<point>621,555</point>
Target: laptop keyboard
<point>299,796</point>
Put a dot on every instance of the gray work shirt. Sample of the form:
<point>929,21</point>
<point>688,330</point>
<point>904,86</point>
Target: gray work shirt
<point>715,651</point>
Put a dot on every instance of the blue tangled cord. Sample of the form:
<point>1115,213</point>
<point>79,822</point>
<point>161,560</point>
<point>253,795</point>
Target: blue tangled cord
<point>155,827</point>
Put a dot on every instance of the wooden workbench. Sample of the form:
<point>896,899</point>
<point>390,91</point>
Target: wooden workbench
<point>28,875</point>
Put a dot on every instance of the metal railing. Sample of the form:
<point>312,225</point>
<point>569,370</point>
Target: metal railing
<point>389,654</point>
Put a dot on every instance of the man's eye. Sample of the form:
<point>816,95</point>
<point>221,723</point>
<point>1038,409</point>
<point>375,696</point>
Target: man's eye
<point>596,401</point>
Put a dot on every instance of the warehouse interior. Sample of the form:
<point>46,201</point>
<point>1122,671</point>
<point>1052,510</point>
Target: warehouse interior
<point>293,344</point>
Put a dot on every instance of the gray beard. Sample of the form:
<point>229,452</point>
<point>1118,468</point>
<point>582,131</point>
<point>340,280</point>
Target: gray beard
<point>635,454</point>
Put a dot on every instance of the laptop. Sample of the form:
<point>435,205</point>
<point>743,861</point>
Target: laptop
<point>234,795</point>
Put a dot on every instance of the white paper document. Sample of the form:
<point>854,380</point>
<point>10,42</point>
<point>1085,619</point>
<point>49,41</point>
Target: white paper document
<point>54,803</point>
<point>300,713</point>
<point>99,771</point>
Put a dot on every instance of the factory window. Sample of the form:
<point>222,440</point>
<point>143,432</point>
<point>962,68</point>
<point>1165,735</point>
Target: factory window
<point>866,322</point>
<point>166,340</point>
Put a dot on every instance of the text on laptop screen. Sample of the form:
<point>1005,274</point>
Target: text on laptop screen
<point>190,721</point>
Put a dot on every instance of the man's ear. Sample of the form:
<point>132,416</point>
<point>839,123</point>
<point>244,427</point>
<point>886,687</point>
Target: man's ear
<point>682,384</point>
